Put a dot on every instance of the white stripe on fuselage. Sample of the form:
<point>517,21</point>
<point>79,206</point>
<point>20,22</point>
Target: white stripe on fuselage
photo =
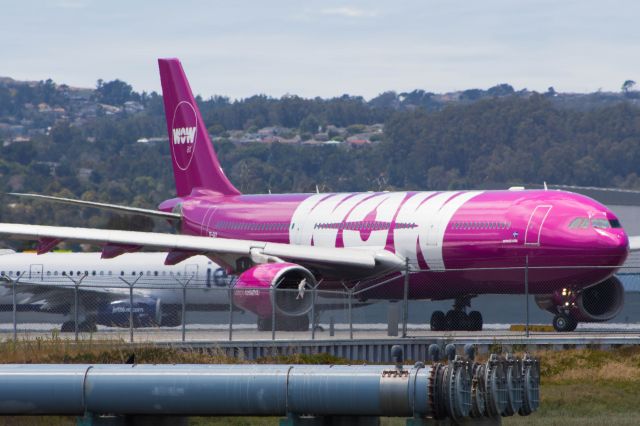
<point>428,212</point>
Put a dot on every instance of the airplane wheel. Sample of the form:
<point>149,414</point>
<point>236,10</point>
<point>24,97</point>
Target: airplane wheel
<point>456,320</point>
<point>68,327</point>
<point>264,324</point>
<point>438,321</point>
<point>87,327</point>
<point>300,323</point>
<point>285,323</point>
<point>564,323</point>
<point>475,321</point>
<point>297,323</point>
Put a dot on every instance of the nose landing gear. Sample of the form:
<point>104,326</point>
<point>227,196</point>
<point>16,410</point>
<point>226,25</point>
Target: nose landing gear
<point>564,323</point>
<point>457,318</point>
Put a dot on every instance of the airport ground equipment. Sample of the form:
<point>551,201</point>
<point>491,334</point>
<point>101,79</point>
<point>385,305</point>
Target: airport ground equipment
<point>457,390</point>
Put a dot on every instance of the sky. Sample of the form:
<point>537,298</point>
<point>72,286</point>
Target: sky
<point>326,48</point>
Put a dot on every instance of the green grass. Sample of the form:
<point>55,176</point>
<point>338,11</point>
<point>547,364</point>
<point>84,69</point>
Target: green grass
<point>578,387</point>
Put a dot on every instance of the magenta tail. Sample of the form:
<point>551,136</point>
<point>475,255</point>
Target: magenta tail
<point>195,164</point>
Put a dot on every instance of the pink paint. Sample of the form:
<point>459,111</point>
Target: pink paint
<point>486,231</point>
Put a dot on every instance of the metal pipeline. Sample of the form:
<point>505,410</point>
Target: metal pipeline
<point>456,390</point>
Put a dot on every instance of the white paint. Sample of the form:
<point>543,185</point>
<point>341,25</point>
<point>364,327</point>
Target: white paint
<point>431,212</point>
<point>386,205</point>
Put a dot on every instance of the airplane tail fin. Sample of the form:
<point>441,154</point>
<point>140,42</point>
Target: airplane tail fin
<point>195,164</point>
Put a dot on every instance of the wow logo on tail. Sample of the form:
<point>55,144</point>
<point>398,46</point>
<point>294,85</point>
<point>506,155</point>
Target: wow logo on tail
<point>184,132</point>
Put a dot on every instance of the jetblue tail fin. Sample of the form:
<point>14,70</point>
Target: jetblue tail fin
<point>195,164</point>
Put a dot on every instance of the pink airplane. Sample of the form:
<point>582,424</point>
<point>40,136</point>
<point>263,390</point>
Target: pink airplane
<point>456,244</point>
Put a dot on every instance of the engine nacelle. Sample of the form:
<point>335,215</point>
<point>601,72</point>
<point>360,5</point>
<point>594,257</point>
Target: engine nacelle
<point>274,286</point>
<point>147,312</point>
<point>600,302</point>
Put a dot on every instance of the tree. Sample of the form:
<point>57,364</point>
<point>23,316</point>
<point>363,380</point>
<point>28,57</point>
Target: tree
<point>627,86</point>
<point>310,124</point>
<point>501,90</point>
<point>115,92</point>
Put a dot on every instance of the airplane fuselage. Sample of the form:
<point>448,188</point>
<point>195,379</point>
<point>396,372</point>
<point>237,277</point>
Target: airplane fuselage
<point>451,238</point>
<point>145,271</point>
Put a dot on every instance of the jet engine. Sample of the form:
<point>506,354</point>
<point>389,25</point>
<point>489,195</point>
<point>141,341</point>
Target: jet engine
<point>278,286</point>
<point>147,312</point>
<point>597,303</point>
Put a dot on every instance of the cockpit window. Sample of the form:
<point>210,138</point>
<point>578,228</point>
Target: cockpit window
<point>600,223</point>
<point>579,223</point>
<point>615,223</point>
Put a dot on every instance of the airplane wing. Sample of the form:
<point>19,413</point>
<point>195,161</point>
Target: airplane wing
<point>365,261</point>
<point>104,206</point>
<point>634,243</point>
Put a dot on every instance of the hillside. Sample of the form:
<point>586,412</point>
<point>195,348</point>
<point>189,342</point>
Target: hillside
<point>109,144</point>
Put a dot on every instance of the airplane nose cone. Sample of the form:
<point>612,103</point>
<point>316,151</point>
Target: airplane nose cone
<point>615,245</point>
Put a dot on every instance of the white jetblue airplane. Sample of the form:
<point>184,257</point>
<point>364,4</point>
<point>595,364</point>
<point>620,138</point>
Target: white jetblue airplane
<point>47,284</point>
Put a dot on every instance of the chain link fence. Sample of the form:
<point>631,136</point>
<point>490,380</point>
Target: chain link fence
<point>415,303</point>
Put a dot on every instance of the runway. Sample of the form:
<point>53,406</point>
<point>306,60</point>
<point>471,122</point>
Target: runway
<point>215,334</point>
<point>367,339</point>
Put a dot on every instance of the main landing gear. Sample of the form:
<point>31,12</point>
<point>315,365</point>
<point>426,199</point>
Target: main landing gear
<point>285,323</point>
<point>83,327</point>
<point>457,318</point>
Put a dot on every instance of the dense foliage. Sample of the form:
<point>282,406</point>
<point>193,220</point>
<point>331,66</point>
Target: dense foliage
<point>503,139</point>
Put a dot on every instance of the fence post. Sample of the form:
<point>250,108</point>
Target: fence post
<point>230,312</point>
<point>313,313</point>
<point>76,305</point>
<point>15,307</point>
<point>183,313</point>
<point>273,312</point>
<point>130,284</point>
<point>405,306</point>
<point>526,294</point>
<point>184,305</point>
<point>350,314</point>
<point>130,314</point>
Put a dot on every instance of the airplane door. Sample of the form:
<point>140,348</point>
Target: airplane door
<point>207,222</point>
<point>534,227</point>
<point>35,272</point>
<point>191,271</point>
